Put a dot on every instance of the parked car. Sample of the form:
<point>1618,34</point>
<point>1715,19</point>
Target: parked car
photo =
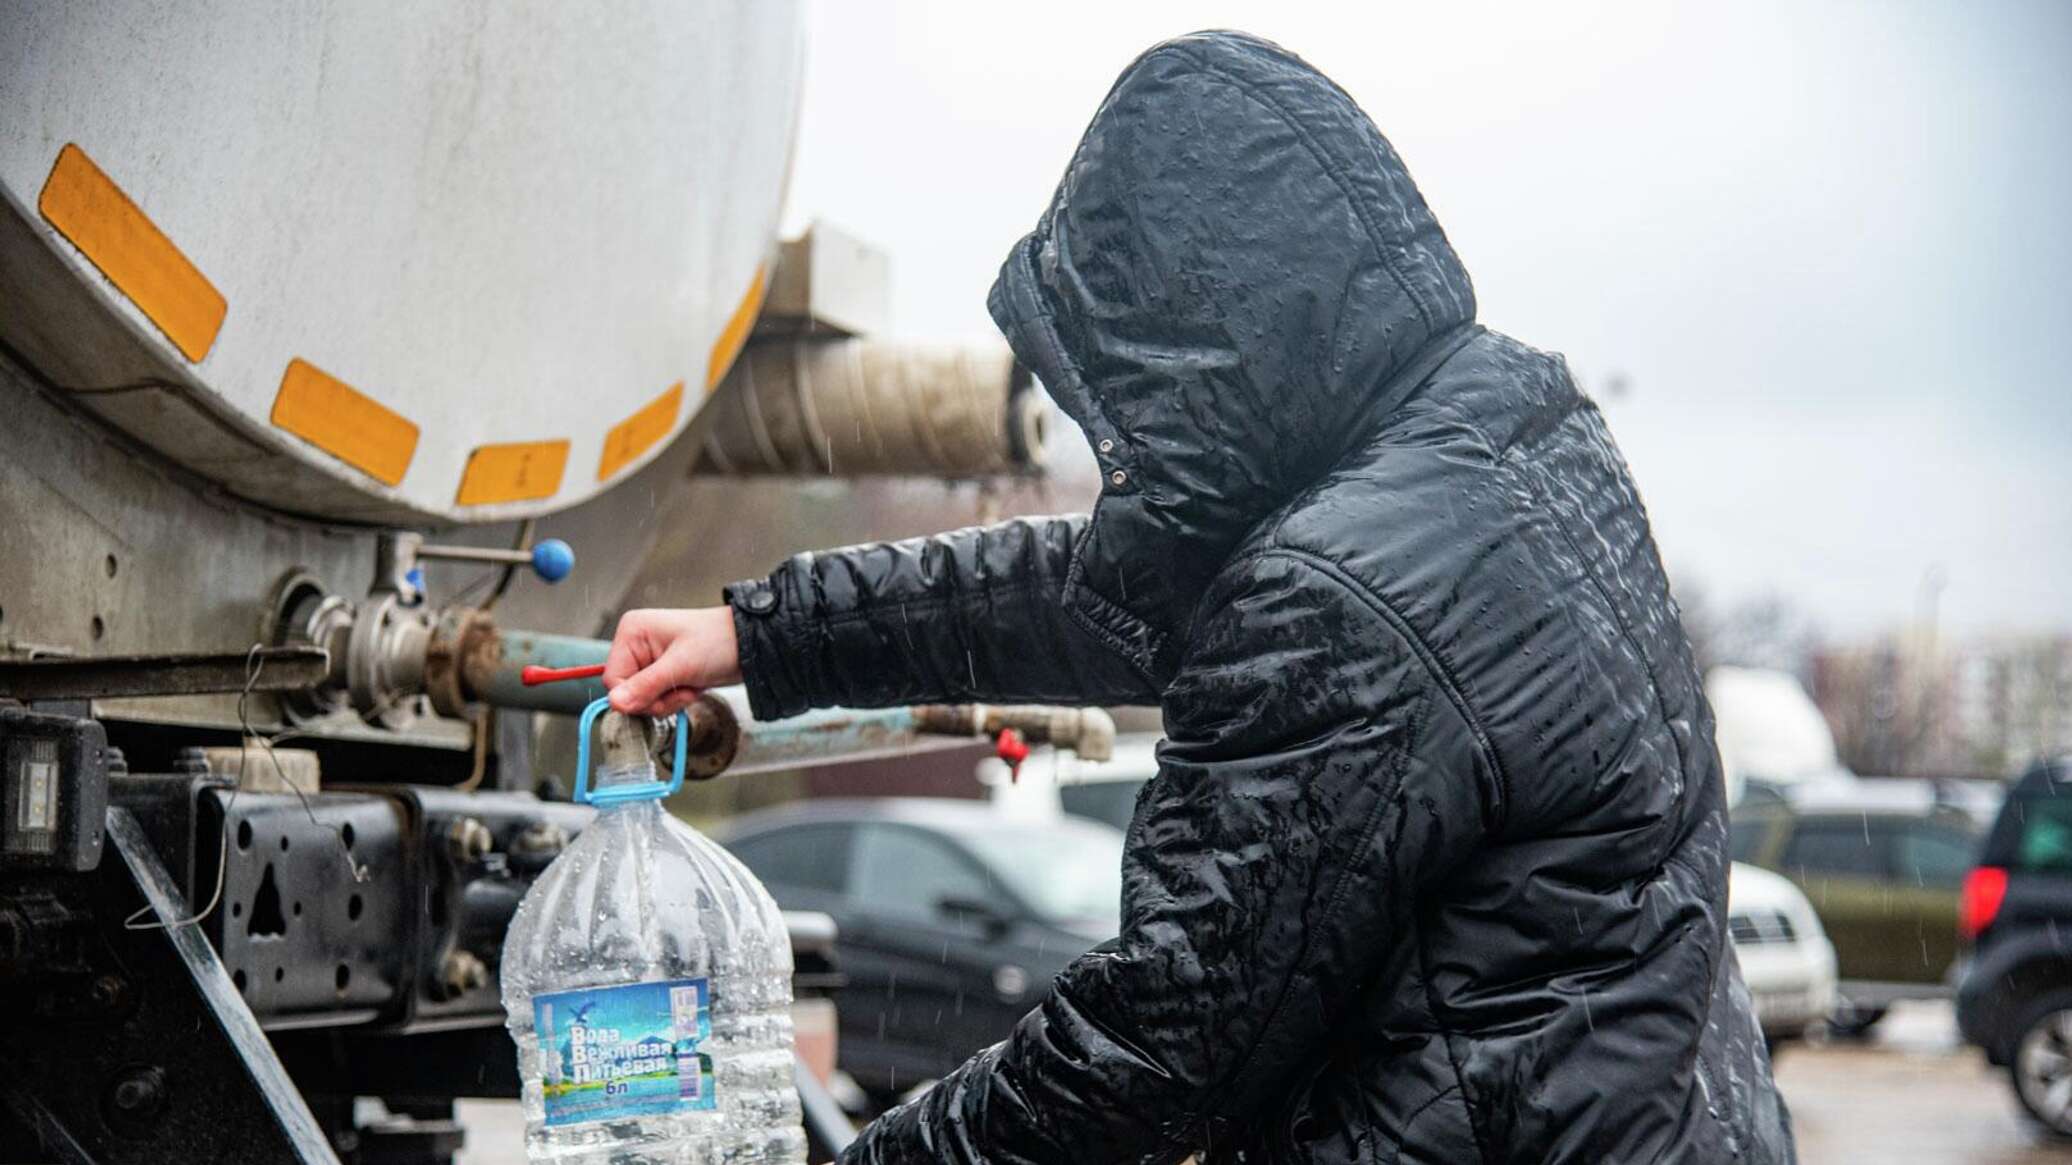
<point>2014,995</point>
<point>1786,958</point>
<point>951,919</point>
<point>1882,862</point>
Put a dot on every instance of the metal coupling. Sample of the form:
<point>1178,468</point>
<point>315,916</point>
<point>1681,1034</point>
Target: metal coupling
<point>468,841</point>
<point>1089,732</point>
<point>459,973</point>
<point>464,650</point>
<point>715,738</point>
<point>540,843</point>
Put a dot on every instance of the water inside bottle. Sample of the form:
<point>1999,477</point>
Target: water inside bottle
<point>647,984</point>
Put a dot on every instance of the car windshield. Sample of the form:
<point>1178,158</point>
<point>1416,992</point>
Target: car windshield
<point>1069,873</point>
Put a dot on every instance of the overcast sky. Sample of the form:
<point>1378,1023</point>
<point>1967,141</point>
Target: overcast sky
<point>1823,247</point>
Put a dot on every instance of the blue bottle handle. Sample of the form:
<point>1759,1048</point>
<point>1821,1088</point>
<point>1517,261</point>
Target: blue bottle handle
<point>617,794</point>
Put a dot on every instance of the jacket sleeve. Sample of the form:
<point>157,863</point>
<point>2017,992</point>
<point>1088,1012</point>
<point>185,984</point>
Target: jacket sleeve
<point>972,615</point>
<point>1314,781</point>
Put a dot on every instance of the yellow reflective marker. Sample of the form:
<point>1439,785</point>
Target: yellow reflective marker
<point>90,210</point>
<point>519,472</point>
<point>735,334</point>
<point>345,422</point>
<point>636,434</point>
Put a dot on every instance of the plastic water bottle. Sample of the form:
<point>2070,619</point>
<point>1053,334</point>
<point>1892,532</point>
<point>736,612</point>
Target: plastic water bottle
<point>647,984</point>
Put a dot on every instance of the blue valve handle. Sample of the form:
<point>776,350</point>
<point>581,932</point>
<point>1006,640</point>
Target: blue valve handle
<point>552,560</point>
<point>617,794</point>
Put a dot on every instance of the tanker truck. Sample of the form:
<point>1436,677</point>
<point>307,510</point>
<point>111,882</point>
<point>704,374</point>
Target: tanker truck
<point>350,361</point>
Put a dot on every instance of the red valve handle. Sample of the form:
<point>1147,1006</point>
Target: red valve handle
<point>533,674</point>
<point>1011,748</point>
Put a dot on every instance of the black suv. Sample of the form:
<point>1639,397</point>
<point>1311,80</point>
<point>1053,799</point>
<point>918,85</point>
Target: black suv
<point>2014,998</point>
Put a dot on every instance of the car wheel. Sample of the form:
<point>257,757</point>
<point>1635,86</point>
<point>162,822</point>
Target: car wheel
<point>1853,1022</point>
<point>2042,1063</point>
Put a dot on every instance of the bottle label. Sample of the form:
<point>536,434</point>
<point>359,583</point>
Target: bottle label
<point>611,1053</point>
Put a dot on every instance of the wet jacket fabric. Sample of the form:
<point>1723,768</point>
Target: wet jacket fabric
<point>1434,868</point>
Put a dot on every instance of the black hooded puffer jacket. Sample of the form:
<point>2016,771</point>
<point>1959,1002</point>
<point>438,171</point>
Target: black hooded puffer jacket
<point>1434,868</point>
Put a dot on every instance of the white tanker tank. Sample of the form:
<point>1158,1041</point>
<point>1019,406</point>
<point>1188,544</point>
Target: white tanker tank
<point>285,288</point>
<point>455,264</point>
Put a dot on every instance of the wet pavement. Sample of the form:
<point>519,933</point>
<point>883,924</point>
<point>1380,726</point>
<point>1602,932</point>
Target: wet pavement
<point>1912,1094</point>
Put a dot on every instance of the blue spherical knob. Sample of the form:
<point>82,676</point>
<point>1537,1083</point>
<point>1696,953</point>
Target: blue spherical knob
<point>552,560</point>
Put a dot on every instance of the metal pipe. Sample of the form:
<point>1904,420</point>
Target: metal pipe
<point>476,554</point>
<point>492,664</point>
<point>1090,732</point>
<point>724,735</point>
<point>493,676</point>
<point>850,734</point>
<point>827,735</point>
<point>823,407</point>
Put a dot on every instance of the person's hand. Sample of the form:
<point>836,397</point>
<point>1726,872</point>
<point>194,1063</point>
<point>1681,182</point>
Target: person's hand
<point>660,660</point>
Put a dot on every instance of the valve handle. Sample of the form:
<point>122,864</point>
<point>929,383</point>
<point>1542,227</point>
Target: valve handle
<point>1013,749</point>
<point>532,674</point>
<point>552,559</point>
<point>614,794</point>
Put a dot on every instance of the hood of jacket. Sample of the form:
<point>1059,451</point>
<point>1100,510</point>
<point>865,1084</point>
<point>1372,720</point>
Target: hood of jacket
<point>1235,282</point>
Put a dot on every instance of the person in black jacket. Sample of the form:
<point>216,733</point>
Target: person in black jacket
<point>1434,868</point>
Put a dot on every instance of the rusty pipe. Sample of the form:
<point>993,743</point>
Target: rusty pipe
<point>471,662</point>
<point>1090,732</point>
<point>823,407</point>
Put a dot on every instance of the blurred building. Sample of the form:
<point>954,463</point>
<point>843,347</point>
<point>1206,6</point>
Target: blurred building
<point>1914,704</point>
<point>2011,700</point>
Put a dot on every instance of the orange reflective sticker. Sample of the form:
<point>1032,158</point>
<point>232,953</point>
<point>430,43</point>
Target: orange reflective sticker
<point>638,433</point>
<point>735,334</point>
<point>520,472</point>
<point>90,210</point>
<point>344,422</point>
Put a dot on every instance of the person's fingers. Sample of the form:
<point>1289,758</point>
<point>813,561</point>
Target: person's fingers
<point>673,701</point>
<point>654,651</point>
<point>637,692</point>
<point>629,652</point>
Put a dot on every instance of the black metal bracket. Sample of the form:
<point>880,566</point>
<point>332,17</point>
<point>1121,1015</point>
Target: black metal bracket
<point>351,953</point>
<point>279,669</point>
<point>151,1056</point>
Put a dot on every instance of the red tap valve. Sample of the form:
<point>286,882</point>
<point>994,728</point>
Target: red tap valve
<point>1010,747</point>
